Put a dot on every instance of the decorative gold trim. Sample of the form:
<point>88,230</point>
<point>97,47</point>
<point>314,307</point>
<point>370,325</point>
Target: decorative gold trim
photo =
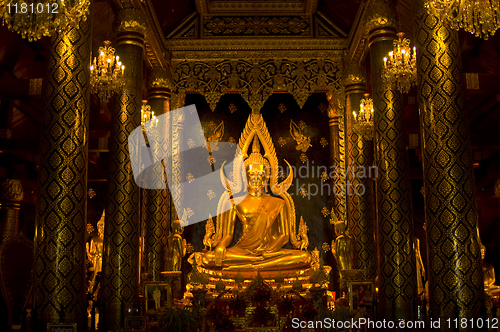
<point>211,7</point>
<point>257,44</point>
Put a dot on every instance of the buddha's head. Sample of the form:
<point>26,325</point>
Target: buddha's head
<point>340,227</point>
<point>176,227</point>
<point>257,169</point>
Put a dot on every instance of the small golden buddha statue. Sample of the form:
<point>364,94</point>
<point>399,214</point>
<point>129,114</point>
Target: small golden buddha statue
<point>342,248</point>
<point>268,222</point>
<point>176,247</point>
<point>488,272</point>
<point>94,252</point>
<point>96,245</point>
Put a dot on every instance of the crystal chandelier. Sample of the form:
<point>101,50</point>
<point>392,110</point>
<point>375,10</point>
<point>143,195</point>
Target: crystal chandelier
<point>33,20</point>
<point>146,113</point>
<point>479,17</point>
<point>400,67</point>
<point>106,73</point>
<point>363,122</point>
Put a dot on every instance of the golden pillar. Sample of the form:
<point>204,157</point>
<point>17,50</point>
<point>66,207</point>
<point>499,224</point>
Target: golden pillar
<point>454,256</point>
<point>360,187</point>
<point>12,195</point>
<point>59,267</point>
<point>157,202</point>
<point>338,182</point>
<point>397,271</point>
<point>121,234</point>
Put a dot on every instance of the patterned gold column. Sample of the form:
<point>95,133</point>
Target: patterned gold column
<point>12,195</point>
<point>157,201</point>
<point>398,285</point>
<point>59,267</point>
<point>454,264</point>
<point>121,235</point>
<point>360,186</point>
<point>338,182</point>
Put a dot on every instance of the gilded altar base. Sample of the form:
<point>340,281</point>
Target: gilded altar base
<point>246,277</point>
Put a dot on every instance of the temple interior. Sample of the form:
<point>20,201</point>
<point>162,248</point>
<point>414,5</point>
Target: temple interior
<point>249,165</point>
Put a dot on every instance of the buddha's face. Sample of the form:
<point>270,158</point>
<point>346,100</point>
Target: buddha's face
<point>256,176</point>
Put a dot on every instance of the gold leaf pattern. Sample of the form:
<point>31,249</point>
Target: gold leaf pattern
<point>325,247</point>
<point>90,228</point>
<point>303,158</point>
<point>302,125</point>
<point>282,107</point>
<point>325,212</point>
<point>190,177</point>
<point>324,176</point>
<point>281,141</point>
<point>232,108</point>
<point>211,160</point>
<point>92,193</point>
<point>190,142</point>
<point>323,142</point>
<point>211,194</point>
<point>303,192</point>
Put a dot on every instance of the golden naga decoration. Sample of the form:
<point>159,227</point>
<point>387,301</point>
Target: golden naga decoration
<point>303,142</point>
<point>209,234</point>
<point>269,223</point>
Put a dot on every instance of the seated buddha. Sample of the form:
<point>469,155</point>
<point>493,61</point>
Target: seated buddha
<point>266,225</point>
<point>488,273</point>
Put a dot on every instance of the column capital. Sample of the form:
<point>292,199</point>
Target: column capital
<point>132,27</point>
<point>160,78</point>
<point>159,83</point>
<point>381,21</point>
<point>354,79</point>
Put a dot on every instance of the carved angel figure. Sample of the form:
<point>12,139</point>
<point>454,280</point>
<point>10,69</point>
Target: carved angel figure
<point>303,142</point>
<point>216,137</point>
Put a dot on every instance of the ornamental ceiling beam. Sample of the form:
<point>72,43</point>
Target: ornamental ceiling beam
<point>209,7</point>
<point>155,52</point>
<point>357,48</point>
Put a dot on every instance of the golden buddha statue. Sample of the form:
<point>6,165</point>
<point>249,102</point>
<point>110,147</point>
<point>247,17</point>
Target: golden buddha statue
<point>489,273</point>
<point>94,251</point>
<point>268,222</point>
<point>342,248</point>
<point>176,247</point>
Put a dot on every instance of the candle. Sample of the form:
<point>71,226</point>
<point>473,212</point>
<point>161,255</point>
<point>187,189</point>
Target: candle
<point>123,67</point>
<point>385,62</point>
